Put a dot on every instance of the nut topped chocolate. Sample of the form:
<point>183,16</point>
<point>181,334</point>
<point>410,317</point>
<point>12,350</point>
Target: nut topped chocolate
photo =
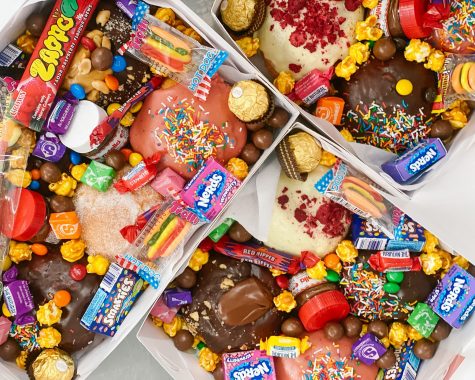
<point>227,294</point>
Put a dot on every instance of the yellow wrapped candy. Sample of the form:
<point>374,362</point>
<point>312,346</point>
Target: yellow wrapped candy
<point>167,15</point>
<point>318,271</point>
<point>435,61</point>
<point>49,314</point>
<point>49,337</point>
<point>413,334</point>
<point>65,186</point>
<point>398,334</point>
<point>368,29</point>
<point>21,359</point>
<point>97,264</point>
<point>18,177</point>
<point>157,321</point>
<point>238,168</point>
<point>19,252</point>
<point>457,114</point>
<point>346,68</point>
<point>461,261</point>
<point>285,82</point>
<point>359,52</point>
<point>249,46</point>
<point>208,359</point>
<point>347,135</point>
<point>198,259</point>
<point>431,262</point>
<point>417,50</point>
<point>173,327</point>
<point>285,301</point>
<point>276,272</point>
<point>73,250</point>
<point>328,159</point>
<point>346,251</point>
<point>370,4</point>
<point>77,171</point>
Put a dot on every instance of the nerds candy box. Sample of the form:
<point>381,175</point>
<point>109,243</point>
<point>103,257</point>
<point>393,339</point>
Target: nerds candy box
<point>210,189</point>
<point>248,365</point>
<point>113,300</point>
<point>453,299</point>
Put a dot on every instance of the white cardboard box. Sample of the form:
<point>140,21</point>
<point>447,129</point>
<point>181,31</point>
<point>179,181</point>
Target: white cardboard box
<point>91,357</point>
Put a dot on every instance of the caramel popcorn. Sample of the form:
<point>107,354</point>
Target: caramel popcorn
<point>27,139</point>
<point>417,50</point>
<point>157,321</point>
<point>49,337</point>
<point>19,158</point>
<point>49,314</point>
<point>457,114</point>
<point>238,168</point>
<point>347,135</point>
<point>198,259</point>
<point>26,42</point>
<point>18,177</point>
<point>431,242</point>
<point>97,264</point>
<point>77,171</point>
<point>285,301</point>
<point>166,15</point>
<point>19,252</point>
<point>328,159</point>
<point>385,341</point>
<point>73,250</point>
<point>285,82</point>
<point>370,4</point>
<point>364,329</point>
<point>249,46</point>
<point>368,30</point>
<point>173,327</point>
<point>346,68</point>
<point>190,32</point>
<point>21,359</point>
<point>398,334</point>
<point>461,261</point>
<point>435,61</point>
<point>304,344</point>
<point>413,334</point>
<point>208,359</point>
<point>359,52</point>
<point>318,271</point>
<point>346,251</point>
<point>446,259</point>
<point>65,186</point>
<point>431,262</point>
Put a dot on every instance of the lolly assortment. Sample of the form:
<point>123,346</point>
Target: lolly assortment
<point>110,161</point>
<point>349,303</point>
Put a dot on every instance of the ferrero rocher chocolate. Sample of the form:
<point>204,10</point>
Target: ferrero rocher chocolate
<point>306,150</point>
<point>53,364</point>
<point>249,101</point>
<point>238,15</point>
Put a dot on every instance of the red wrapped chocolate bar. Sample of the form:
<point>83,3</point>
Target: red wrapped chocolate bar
<point>394,261</point>
<point>34,96</point>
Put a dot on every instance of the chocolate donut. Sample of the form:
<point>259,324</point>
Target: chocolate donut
<point>50,273</point>
<point>229,293</point>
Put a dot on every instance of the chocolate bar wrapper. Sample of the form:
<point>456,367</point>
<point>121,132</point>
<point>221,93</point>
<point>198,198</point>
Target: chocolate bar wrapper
<point>406,367</point>
<point>113,300</point>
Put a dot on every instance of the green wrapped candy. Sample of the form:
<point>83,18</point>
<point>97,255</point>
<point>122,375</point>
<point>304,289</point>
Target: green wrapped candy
<point>98,176</point>
<point>423,319</point>
<point>221,230</point>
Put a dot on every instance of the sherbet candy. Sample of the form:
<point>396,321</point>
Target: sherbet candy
<point>168,183</point>
<point>98,176</point>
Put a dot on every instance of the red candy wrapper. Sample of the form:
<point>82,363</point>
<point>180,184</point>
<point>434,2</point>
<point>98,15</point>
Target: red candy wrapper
<point>436,12</point>
<point>313,86</point>
<point>131,232</point>
<point>258,254</point>
<point>394,261</point>
<point>34,96</point>
<point>139,176</point>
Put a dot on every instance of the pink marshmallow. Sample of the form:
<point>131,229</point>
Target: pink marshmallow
<point>168,183</point>
<point>5,325</point>
<point>162,311</point>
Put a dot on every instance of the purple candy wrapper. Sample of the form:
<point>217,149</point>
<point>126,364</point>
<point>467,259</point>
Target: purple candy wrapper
<point>10,275</point>
<point>62,114</point>
<point>453,299</point>
<point>49,148</point>
<point>177,297</point>
<point>127,6</point>
<point>412,164</point>
<point>368,349</point>
<point>18,298</point>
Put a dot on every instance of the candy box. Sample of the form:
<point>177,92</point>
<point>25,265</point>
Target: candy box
<point>453,299</point>
<point>248,365</point>
<point>406,367</point>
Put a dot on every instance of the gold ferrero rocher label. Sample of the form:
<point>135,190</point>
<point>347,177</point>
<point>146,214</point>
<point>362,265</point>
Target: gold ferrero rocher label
<point>238,15</point>
<point>248,100</point>
<point>53,364</point>
<point>306,151</point>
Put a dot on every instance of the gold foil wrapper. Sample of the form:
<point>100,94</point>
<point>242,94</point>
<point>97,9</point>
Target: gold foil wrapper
<point>248,100</point>
<point>307,152</point>
<point>53,364</point>
<point>238,15</point>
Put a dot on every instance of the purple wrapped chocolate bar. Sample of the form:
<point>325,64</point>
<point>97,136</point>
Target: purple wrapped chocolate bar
<point>453,299</point>
<point>62,114</point>
<point>18,298</point>
<point>49,148</point>
<point>415,162</point>
<point>177,297</point>
<point>127,6</point>
<point>368,349</point>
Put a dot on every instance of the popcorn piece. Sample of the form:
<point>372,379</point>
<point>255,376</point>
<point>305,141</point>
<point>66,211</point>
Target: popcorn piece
<point>359,52</point>
<point>276,272</point>
<point>446,259</point>
<point>431,262</point>
<point>385,341</point>
<point>346,68</point>
<point>249,46</point>
<point>19,252</point>
<point>368,30</point>
<point>49,337</point>
<point>173,327</point>
<point>285,301</point>
<point>19,158</point>
<point>370,4</point>
<point>190,32</point>
<point>157,321</point>
<point>238,168</point>
<point>346,251</point>
<point>77,171</point>
<point>347,135</point>
<point>97,264</point>
<point>49,314</point>
<point>431,242</point>
<point>167,15</point>
<point>435,61</point>
<point>318,271</point>
<point>417,50</point>
<point>457,114</point>
<point>208,359</point>
<point>328,159</point>
<point>73,250</point>
<point>285,82</point>
<point>461,262</point>
<point>26,42</point>
<point>65,186</point>
<point>21,359</point>
<point>398,334</point>
<point>18,177</point>
<point>198,259</point>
